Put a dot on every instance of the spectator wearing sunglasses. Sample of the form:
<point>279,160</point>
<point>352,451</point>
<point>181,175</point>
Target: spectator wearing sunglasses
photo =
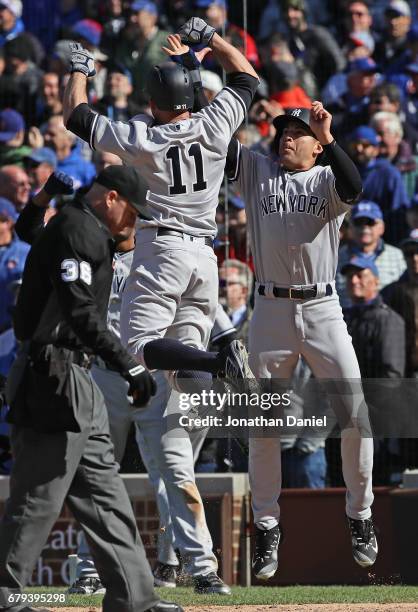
<point>235,286</point>
<point>367,229</point>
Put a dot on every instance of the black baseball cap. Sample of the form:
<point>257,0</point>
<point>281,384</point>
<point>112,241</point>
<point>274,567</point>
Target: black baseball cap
<point>129,183</point>
<point>300,115</point>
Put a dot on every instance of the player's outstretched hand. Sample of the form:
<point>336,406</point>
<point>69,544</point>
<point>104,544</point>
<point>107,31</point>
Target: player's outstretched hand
<point>196,32</point>
<point>142,386</point>
<point>81,60</point>
<point>320,123</point>
<point>59,184</point>
<point>183,54</point>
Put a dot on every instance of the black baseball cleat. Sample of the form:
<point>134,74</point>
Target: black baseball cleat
<point>87,585</point>
<point>165,606</point>
<point>165,575</point>
<point>265,558</point>
<point>363,541</point>
<point>235,367</point>
<point>210,584</point>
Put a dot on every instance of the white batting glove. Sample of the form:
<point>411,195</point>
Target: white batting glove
<point>196,32</point>
<point>81,60</point>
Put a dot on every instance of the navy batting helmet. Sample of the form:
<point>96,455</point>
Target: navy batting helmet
<point>170,86</point>
<point>300,115</point>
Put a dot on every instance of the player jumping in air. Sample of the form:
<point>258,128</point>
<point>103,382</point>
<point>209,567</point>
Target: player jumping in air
<point>295,209</point>
<point>171,295</point>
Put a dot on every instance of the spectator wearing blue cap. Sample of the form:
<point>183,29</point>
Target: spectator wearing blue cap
<point>378,335</point>
<point>350,108</point>
<point>13,254</point>
<point>117,103</point>
<point>40,164</point>
<point>367,228</point>
<point>140,43</point>
<point>382,182</point>
<point>12,136</point>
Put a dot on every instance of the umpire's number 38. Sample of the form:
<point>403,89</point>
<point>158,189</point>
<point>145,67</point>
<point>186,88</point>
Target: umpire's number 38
<point>181,171</point>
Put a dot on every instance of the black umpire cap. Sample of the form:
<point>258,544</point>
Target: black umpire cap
<point>128,182</point>
<point>300,115</point>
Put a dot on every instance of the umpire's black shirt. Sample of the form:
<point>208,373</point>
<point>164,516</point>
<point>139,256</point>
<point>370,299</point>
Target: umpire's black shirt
<point>66,285</point>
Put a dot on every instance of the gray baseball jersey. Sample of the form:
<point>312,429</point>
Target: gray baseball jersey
<point>293,219</point>
<point>182,162</point>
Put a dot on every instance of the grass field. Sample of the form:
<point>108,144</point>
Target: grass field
<point>273,596</point>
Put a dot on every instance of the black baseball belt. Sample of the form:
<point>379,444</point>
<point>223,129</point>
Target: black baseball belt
<point>162,231</point>
<point>292,293</point>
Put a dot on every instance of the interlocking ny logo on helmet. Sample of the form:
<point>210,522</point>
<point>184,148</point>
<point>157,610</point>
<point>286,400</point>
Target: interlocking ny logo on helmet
<point>296,112</point>
<point>170,87</point>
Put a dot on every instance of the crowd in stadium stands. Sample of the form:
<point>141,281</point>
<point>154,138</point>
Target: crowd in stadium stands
<point>359,57</point>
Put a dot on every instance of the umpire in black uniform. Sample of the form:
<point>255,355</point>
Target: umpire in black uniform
<point>61,443</point>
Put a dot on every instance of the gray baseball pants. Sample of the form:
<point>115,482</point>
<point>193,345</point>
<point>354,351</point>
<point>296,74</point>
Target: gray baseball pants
<point>169,458</point>
<point>172,292</point>
<point>78,468</point>
<point>280,331</point>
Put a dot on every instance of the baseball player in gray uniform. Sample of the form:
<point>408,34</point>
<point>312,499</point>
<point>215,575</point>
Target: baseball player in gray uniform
<point>168,458</point>
<point>171,295</point>
<point>294,210</point>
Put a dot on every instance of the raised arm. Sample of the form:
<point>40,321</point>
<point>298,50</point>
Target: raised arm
<point>82,67</point>
<point>196,31</point>
<point>347,177</point>
<point>31,220</point>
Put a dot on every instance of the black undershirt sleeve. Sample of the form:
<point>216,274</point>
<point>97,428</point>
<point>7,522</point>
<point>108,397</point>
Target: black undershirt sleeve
<point>347,178</point>
<point>244,85</point>
<point>231,159</point>
<point>81,122</point>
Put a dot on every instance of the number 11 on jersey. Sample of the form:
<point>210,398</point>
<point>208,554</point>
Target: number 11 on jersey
<point>177,187</point>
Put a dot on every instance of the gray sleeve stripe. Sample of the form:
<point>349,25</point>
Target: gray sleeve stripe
<point>93,131</point>
<point>234,178</point>
<point>238,97</point>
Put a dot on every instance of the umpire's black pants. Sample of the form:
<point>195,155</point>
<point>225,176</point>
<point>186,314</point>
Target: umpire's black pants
<point>81,469</point>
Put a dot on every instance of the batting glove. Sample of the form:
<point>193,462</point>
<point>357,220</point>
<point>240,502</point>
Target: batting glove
<point>142,386</point>
<point>81,60</point>
<point>196,32</point>
<point>59,184</point>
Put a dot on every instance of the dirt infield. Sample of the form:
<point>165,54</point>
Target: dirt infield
<point>366,607</point>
